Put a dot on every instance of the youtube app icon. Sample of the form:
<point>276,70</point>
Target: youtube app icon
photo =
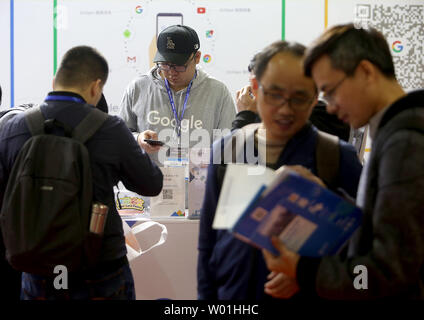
<point>201,10</point>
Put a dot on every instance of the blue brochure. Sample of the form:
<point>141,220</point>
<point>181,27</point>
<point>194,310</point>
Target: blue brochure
<point>305,216</point>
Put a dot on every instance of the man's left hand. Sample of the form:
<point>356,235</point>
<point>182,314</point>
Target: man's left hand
<point>280,285</point>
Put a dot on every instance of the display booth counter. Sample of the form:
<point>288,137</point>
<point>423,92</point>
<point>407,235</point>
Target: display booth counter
<point>167,271</point>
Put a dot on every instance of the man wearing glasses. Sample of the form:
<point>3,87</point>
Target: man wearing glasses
<point>176,94</point>
<point>227,267</point>
<point>354,70</point>
<point>247,112</point>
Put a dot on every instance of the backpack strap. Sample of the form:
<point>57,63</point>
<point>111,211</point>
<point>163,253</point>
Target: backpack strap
<point>89,125</point>
<point>236,148</point>
<point>327,157</point>
<point>35,120</point>
<point>241,133</point>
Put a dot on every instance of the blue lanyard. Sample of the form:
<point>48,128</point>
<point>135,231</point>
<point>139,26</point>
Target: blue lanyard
<point>64,98</point>
<point>171,101</point>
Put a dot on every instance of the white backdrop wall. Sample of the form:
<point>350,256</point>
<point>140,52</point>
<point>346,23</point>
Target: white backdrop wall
<point>230,32</point>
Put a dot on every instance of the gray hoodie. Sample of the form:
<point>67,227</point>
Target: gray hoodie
<point>146,106</point>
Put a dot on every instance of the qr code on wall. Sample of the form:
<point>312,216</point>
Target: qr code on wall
<point>403,27</point>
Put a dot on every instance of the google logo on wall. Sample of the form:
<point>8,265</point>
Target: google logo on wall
<point>207,58</point>
<point>138,9</point>
<point>397,46</point>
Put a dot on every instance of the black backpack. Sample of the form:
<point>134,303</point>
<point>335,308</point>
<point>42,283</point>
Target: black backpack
<point>47,203</point>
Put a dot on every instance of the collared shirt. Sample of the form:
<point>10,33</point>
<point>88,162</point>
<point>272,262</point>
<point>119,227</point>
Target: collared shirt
<point>273,150</point>
<point>375,121</point>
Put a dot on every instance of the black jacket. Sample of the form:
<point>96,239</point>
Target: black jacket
<point>114,154</point>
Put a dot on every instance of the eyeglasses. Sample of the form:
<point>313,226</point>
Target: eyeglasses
<point>168,66</point>
<point>328,97</point>
<point>276,98</point>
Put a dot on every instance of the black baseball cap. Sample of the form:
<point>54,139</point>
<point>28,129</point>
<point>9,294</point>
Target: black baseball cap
<point>176,44</point>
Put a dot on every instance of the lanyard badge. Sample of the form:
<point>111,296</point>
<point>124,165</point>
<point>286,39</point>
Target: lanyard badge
<point>174,109</point>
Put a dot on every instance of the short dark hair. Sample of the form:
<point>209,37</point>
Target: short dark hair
<point>347,46</point>
<point>263,57</point>
<point>0,95</point>
<point>80,66</point>
<point>252,63</point>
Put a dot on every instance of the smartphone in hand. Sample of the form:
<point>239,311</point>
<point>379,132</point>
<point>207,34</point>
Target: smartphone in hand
<point>154,142</point>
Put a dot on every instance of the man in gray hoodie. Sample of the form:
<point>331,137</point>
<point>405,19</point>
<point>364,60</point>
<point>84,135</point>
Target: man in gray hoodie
<point>177,100</point>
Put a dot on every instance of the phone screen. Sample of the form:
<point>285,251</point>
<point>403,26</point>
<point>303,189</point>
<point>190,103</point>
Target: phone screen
<point>164,20</point>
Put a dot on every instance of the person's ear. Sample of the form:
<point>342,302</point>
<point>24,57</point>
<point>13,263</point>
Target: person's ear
<point>197,57</point>
<point>96,88</point>
<point>255,85</point>
<point>368,70</point>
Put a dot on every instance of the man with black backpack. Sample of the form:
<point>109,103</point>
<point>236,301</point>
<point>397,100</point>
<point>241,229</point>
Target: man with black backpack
<point>229,268</point>
<point>57,162</point>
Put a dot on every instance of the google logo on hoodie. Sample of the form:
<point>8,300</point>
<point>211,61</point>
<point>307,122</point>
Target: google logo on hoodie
<point>397,46</point>
<point>207,58</point>
<point>138,9</point>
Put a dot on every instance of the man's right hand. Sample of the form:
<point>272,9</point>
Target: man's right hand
<point>148,134</point>
<point>245,100</point>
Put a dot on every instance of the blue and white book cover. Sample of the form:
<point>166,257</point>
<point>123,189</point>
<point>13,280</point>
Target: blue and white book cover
<point>306,217</point>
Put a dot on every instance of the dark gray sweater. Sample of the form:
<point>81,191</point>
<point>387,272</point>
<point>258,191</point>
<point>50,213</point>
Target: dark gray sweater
<point>390,242</point>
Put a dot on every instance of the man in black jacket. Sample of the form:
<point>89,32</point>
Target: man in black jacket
<point>114,156</point>
<point>353,68</point>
